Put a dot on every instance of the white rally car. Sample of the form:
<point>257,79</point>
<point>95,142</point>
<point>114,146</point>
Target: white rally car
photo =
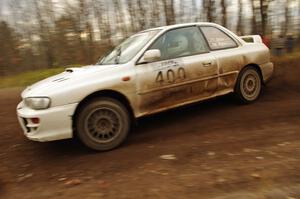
<point>152,71</point>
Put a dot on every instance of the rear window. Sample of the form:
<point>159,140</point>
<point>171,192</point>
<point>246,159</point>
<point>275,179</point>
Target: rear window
<point>217,39</point>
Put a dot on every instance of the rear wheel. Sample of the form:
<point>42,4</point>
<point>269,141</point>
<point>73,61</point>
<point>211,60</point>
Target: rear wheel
<point>248,85</point>
<point>103,124</point>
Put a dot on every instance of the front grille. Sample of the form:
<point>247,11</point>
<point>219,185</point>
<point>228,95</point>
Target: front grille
<point>25,122</point>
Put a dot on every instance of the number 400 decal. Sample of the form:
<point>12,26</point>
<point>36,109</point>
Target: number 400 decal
<point>170,75</point>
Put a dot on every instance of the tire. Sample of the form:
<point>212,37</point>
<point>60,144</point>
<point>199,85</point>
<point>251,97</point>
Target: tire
<point>103,124</point>
<point>248,86</point>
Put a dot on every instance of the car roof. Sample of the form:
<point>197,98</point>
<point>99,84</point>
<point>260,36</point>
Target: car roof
<point>180,25</point>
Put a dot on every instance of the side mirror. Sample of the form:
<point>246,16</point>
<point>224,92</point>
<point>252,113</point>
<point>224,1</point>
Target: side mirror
<point>151,55</point>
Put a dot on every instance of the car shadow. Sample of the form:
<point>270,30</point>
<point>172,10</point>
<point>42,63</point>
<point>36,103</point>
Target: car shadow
<point>147,125</point>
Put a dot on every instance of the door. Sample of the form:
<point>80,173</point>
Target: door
<point>228,54</point>
<point>186,71</point>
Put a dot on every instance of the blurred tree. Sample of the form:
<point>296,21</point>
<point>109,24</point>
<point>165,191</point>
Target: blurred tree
<point>209,6</point>
<point>66,51</point>
<point>24,12</point>
<point>182,11</point>
<point>253,20</point>
<point>194,16</point>
<point>9,49</point>
<point>101,15</point>
<point>169,11</point>
<point>287,18</point>
<point>155,20</point>
<point>44,30</point>
<point>264,5</point>
<point>240,27</point>
<point>141,10</point>
<point>298,21</point>
<point>81,30</point>
<point>133,15</point>
<point>224,13</point>
<point>119,17</point>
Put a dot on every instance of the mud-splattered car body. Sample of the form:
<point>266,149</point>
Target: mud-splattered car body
<point>145,87</point>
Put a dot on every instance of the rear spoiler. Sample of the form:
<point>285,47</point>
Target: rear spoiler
<point>252,39</point>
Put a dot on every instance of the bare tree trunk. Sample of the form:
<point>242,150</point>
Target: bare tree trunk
<point>119,15</point>
<point>98,9</point>
<point>142,14</point>
<point>132,13</point>
<point>202,10</point>
<point>264,4</point>
<point>107,15</point>
<point>82,30</point>
<point>298,23</point>
<point>21,13</point>
<point>155,13</point>
<point>240,23</point>
<point>253,20</point>
<point>1,11</point>
<point>9,51</point>
<point>50,11</point>
<point>169,11</point>
<point>90,43</point>
<point>209,8</point>
<point>194,11</point>
<point>287,17</point>
<point>224,13</point>
<point>104,22</point>
<point>182,11</point>
<point>107,28</point>
<point>44,35</point>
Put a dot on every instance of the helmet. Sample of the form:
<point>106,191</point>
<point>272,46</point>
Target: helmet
<point>177,45</point>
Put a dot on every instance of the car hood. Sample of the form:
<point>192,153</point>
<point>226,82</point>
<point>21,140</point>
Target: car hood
<point>66,78</point>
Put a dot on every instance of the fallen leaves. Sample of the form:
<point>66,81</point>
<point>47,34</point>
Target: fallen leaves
<point>255,175</point>
<point>103,184</point>
<point>283,144</point>
<point>259,158</point>
<point>73,182</point>
<point>168,157</point>
<point>22,177</point>
<point>62,179</point>
<point>211,153</point>
<point>248,150</point>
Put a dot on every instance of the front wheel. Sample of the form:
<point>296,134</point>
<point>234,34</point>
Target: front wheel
<point>248,86</point>
<point>103,124</point>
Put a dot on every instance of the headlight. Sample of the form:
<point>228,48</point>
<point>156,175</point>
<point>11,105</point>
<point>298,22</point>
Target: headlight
<point>37,103</point>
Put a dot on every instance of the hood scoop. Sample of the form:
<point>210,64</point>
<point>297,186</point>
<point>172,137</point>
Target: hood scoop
<point>71,70</point>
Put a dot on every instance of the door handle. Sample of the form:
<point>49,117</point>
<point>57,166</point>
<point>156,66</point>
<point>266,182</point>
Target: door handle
<point>207,63</point>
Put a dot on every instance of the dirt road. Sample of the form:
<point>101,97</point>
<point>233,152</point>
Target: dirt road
<point>216,149</point>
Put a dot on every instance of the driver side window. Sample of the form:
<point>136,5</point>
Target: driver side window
<point>180,42</point>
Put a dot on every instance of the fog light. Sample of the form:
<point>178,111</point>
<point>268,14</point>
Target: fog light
<point>35,120</point>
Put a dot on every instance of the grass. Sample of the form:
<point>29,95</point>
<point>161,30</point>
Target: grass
<point>286,57</point>
<point>28,78</point>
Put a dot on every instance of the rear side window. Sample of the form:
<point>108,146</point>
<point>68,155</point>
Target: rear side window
<point>217,39</point>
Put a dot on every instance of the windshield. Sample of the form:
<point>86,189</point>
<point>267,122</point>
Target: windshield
<point>128,49</point>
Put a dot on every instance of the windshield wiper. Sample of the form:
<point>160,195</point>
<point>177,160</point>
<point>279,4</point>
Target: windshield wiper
<point>119,52</point>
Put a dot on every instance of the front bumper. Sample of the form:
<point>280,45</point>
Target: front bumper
<point>55,123</point>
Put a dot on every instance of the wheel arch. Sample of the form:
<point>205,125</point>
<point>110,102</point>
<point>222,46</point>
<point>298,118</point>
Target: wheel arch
<point>103,93</point>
